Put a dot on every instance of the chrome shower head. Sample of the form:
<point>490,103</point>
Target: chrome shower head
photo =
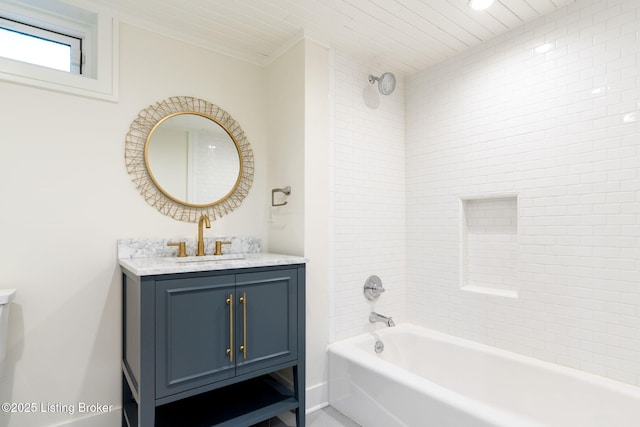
<point>386,82</point>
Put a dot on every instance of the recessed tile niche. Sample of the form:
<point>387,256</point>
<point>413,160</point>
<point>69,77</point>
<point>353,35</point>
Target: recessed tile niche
<point>489,245</point>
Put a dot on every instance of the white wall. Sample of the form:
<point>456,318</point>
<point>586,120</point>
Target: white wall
<point>67,198</point>
<point>298,126</point>
<point>285,115</point>
<point>367,197</point>
<point>316,219</point>
<point>560,130</point>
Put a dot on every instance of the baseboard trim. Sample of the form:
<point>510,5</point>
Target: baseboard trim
<point>109,419</point>
<point>317,397</point>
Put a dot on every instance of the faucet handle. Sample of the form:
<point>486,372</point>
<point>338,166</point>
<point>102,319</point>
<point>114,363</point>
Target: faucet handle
<point>182,248</point>
<point>373,288</point>
<point>219,244</point>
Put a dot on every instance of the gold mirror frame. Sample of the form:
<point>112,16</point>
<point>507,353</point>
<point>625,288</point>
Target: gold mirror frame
<point>134,153</point>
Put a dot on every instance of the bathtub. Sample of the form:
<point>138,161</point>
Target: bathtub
<point>428,379</point>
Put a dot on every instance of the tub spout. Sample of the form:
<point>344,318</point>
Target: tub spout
<point>375,317</point>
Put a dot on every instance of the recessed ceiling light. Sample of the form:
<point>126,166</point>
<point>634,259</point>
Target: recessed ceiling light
<point>480,4</point>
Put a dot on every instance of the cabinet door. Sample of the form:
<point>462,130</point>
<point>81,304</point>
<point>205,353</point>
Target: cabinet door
<point>266,319</point>
<point>193,332</point>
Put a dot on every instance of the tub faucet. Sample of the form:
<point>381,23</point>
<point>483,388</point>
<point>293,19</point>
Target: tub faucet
<point>375,317</point>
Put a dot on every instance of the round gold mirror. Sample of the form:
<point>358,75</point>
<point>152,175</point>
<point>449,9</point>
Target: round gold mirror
<point>189,158</point>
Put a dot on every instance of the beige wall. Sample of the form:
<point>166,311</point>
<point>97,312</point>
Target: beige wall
<point>67,198</point>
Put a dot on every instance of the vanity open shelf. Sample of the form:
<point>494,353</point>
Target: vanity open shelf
<point>245,403</point>
<point>200,348</point>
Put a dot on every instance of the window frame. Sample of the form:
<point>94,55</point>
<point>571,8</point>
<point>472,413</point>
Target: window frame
<point>97,29</point>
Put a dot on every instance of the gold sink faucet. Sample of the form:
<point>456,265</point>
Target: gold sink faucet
<point>203,219</point>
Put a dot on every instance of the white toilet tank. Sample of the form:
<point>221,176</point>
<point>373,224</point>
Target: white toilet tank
<point>6,295</point>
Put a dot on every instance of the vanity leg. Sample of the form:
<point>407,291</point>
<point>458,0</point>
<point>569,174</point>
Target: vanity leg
<point>146,414</point>
<point>299,382</point>
<point>146,389</point>
<point>299,393</point>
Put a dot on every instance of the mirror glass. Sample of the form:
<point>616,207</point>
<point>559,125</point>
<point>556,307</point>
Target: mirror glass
<point>192,159</point>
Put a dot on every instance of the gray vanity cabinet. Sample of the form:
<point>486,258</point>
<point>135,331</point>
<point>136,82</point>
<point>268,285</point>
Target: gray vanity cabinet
<point>192,333</point>
<point>267,324</point>
<point>212,328</point>
<point>215,338</point>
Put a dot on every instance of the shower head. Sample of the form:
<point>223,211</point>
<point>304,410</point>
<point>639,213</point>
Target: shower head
<point>386,82</point>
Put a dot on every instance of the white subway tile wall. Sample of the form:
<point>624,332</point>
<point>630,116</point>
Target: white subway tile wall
<point>368,197</point>
<point>549,112</point>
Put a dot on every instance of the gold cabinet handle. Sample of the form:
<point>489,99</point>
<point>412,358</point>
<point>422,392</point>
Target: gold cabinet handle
<point>230,349</point>
<point>243,347</point>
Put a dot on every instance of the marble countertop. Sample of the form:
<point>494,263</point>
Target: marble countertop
<point>150,266</point>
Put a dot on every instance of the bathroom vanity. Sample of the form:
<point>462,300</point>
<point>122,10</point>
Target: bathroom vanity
<point>202,339</point>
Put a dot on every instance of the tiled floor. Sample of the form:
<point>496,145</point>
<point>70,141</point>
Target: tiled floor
<point>325,417</point>
<point>329,417</point>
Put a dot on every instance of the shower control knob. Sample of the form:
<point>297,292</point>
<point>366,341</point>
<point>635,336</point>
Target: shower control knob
<point>373,288</point>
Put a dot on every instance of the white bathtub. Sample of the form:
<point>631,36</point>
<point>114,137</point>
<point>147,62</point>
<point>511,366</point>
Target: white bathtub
<point>427,379</point>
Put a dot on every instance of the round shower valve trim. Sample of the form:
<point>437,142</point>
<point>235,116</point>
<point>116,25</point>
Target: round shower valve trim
<point>373,288</point>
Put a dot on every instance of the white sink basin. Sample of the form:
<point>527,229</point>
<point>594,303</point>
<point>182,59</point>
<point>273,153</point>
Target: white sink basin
<point>210,258</point>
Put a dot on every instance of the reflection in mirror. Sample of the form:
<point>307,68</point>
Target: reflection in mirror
<point>192,159</point>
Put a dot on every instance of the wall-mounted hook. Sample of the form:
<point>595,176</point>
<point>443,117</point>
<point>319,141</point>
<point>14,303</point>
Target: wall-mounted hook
<point>286,191</point>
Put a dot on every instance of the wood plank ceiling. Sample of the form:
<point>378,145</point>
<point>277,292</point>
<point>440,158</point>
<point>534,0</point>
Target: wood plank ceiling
<point>403,35</point>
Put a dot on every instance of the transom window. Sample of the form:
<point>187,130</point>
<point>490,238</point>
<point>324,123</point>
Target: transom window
<point>22,42</point>
<point>56,45</point>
